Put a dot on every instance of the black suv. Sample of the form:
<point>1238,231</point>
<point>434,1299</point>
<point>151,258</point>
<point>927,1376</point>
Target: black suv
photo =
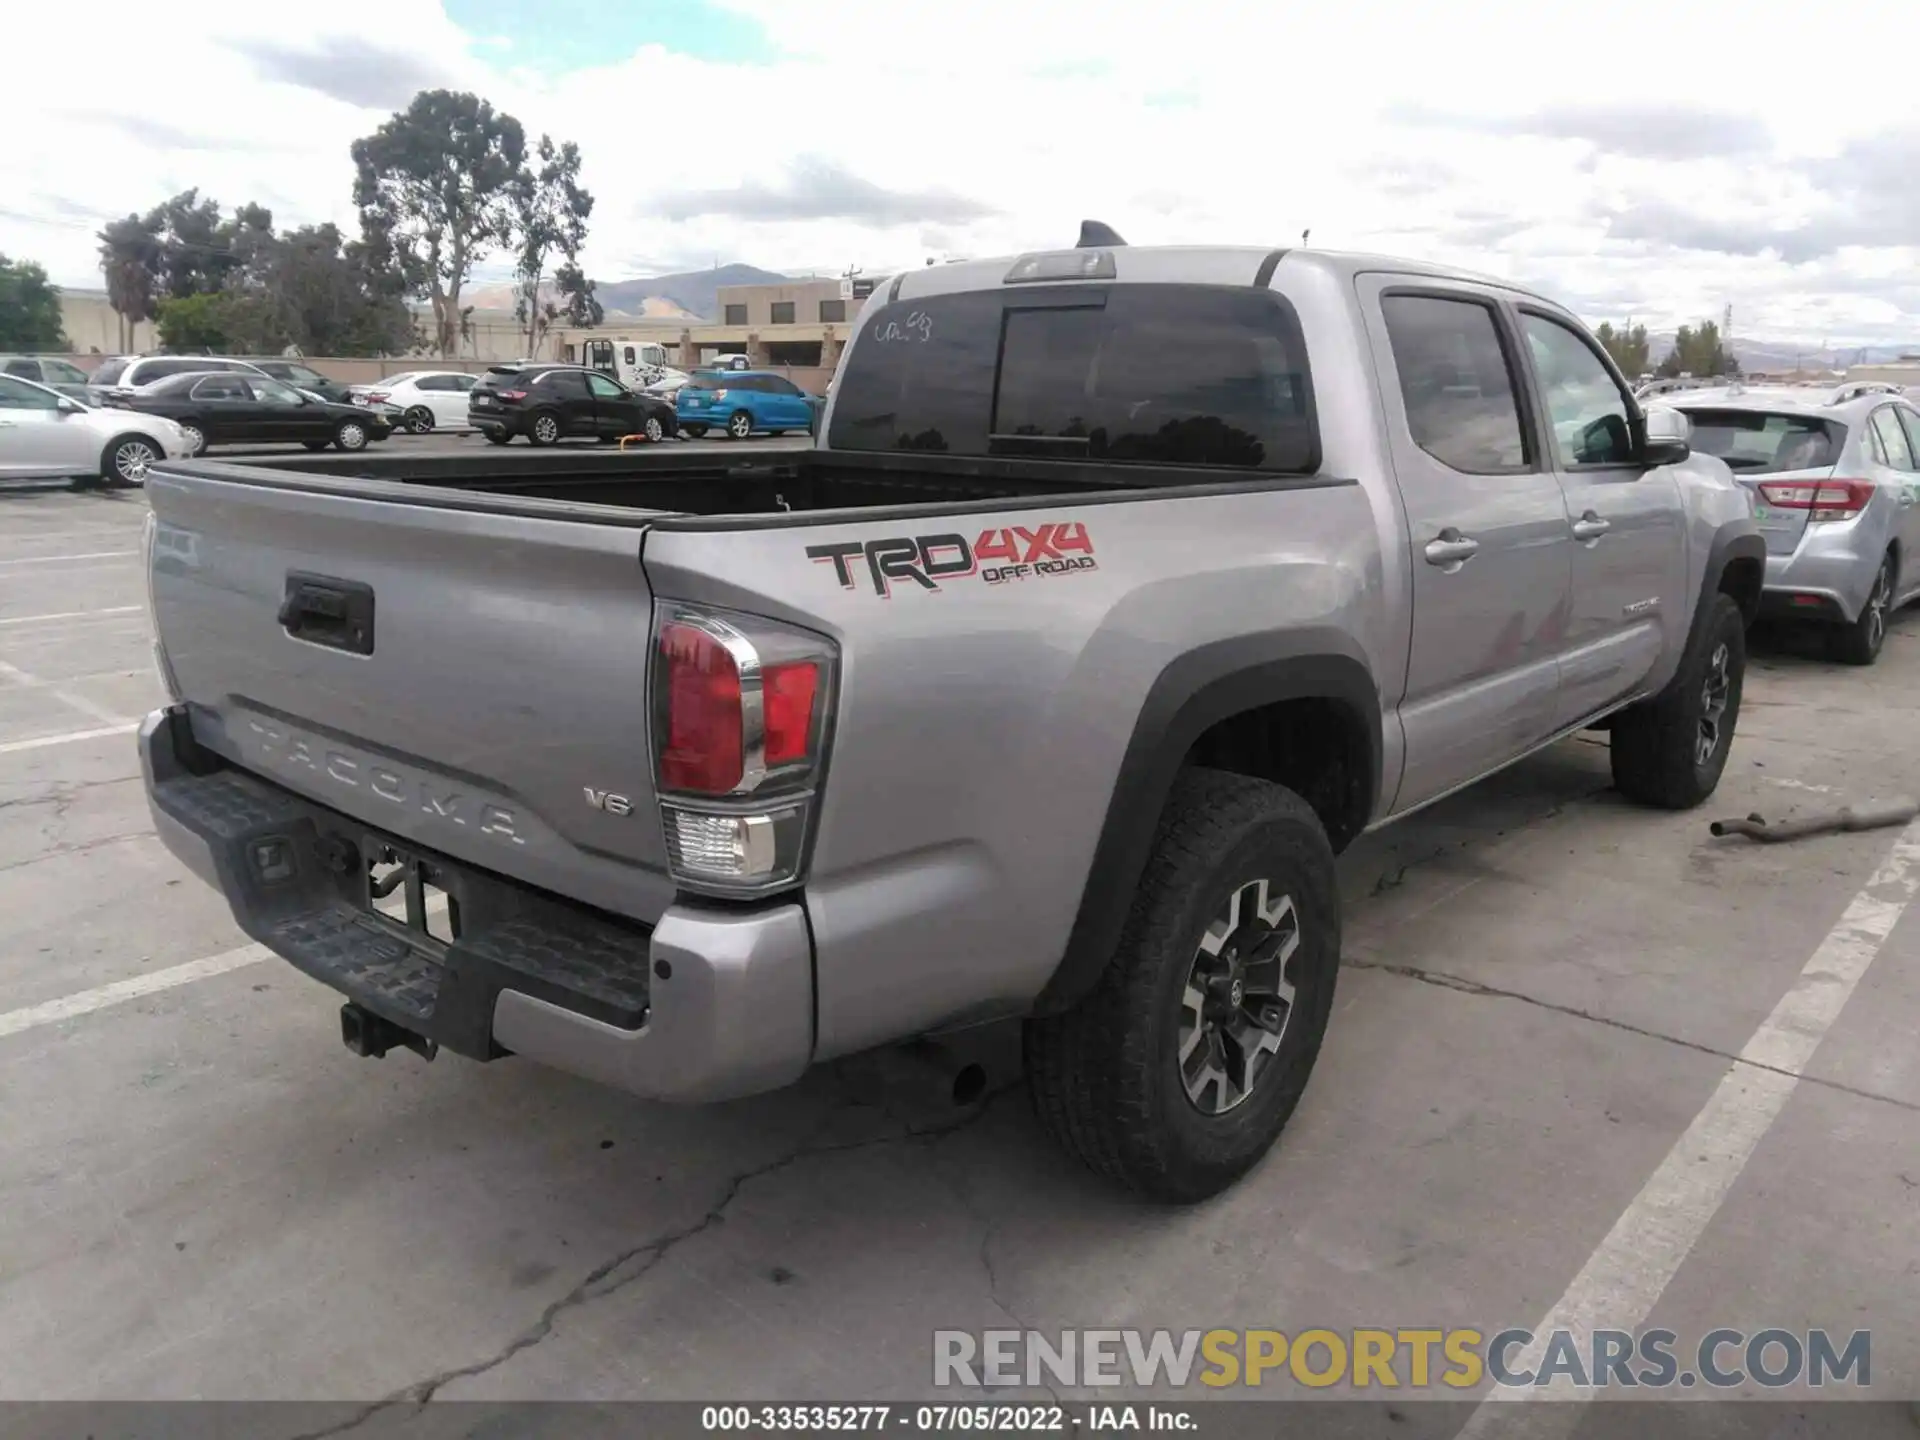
<point>549,403</point>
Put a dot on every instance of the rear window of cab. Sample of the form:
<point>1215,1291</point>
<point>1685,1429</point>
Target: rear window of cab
<point>1171,375</point>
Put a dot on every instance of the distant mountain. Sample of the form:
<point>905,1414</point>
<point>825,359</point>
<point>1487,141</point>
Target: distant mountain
<point>691,296</point>
<point>695,293</point>
<point>1773,356</point>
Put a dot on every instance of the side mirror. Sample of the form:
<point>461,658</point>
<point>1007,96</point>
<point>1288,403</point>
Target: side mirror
<point>69,406</point>
<point>1668,437</point>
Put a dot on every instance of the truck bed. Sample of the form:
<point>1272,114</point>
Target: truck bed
<point>710,483</point>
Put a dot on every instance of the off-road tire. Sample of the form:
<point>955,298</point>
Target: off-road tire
<point>1860,643</point>
<point>1105,1075</point>
<point>1655,743</point>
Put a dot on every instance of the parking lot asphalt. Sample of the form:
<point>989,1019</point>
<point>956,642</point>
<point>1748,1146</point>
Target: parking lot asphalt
<point>1528,1103</point>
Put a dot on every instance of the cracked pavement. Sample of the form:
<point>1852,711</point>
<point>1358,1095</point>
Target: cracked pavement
<point>204,1195</point>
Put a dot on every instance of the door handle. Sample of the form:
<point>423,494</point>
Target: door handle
<point>1590,527</point>
<point>1450,549</point>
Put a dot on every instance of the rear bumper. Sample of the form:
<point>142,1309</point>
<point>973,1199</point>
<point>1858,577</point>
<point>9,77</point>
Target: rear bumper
<point>709,1004</point>
<point>1833,565</point>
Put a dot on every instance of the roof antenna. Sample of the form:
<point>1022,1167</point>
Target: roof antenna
<point>1095,235</point>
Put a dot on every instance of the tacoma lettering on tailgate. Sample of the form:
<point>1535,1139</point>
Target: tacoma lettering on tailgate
<point>1019,553</point>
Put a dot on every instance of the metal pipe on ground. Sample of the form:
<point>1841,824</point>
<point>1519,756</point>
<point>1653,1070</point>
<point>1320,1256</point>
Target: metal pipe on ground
<point>1870,815</point>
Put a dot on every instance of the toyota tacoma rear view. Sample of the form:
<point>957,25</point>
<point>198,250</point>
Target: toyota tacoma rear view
<point>1123,589</point>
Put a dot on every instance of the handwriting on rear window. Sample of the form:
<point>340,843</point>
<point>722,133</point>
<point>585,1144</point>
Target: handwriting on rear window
<point>917,326</point>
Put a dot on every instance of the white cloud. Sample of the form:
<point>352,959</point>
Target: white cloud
<point>1660,160</point>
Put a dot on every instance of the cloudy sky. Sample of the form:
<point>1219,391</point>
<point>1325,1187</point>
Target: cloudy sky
<point>1657,161</point>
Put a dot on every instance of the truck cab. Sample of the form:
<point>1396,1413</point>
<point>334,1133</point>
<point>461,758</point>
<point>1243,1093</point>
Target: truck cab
<point>636,364</point>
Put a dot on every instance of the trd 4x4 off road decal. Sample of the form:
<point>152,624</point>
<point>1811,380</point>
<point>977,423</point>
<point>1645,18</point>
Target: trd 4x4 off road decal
<point>996,557</point>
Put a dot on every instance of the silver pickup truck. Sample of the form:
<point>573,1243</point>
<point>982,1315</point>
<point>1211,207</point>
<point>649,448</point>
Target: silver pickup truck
<point>1124,588</point>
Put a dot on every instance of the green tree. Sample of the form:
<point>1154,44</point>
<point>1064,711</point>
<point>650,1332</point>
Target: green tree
<point>1698,351</point>
<point>577,302</point>
<point>329,301</point>
<point>550,212</point>
<point>434,185</point>
<point>1627,346</point>
<point>130,259</point>
<point>29,308</point>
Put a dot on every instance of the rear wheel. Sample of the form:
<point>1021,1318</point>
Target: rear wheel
<point>350,435</point>
<point>418,420</point>
<point>656,432</point>
<point>1860,642</point>
<point>694,432</point>
<point>545,429</point>
<point>1179,1071</point>
<point>496,437</point>
<point>1669,751</point>
<point>740,425</point>
<point>126,460</point>
<point>195,437</point>
<point>316,444</point>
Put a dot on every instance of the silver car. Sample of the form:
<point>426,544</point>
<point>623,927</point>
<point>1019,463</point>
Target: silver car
<point>1835,475</point>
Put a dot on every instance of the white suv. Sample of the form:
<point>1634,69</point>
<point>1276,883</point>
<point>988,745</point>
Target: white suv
<point>47,435</point>
<point>121,375</point>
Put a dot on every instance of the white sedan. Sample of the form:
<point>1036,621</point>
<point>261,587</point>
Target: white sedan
<point>46,435</point>
<point>428,399</point>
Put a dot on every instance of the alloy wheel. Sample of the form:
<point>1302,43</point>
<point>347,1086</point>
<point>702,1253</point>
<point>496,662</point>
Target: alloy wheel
<point>1877,605</point>
<point>1238,997</point>
<point>132,459</point>
<point>655,432</point>
<point>546,430</point>
<point>1714,694</point>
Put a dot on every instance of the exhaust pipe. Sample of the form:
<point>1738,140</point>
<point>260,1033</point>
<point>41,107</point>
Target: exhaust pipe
<point>1874,815</point>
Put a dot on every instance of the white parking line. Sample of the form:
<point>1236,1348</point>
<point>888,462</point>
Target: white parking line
<point>101,996</point>
<point>89,708</point>
<point>85,1002</point>
<point>65,559</point>
<point>40,742</point>
<point>1626,1275</point>
<point>71,615</point>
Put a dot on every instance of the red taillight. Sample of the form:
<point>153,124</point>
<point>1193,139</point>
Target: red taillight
<point>513,394</point>
<point>703,750</point>
<point>1822,499</point>
<point>787,694</point>
<point>378,397</point>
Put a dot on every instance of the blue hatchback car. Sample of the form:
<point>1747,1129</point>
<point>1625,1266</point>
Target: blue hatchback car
<point>740,403</point>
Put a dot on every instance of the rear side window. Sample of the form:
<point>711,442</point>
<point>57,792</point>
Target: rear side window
<point>1179,375</point>
<point>1756,442</point>
<point>1912,423</point>
<point>1456,383</point>
<point>1893,439</point>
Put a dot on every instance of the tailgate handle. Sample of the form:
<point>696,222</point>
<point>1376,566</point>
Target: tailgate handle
<point>325,611</point>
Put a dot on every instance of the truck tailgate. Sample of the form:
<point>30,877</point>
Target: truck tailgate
<point>463,678</point>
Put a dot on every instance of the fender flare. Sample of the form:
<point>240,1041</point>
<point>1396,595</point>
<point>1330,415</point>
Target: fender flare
<point>1191,694</point>
<point>1734,540</point>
